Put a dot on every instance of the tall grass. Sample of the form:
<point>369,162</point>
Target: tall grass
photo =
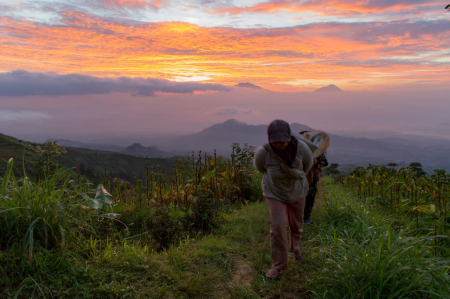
<point>406,192</point>
<point>362,256</point>
<point>48,214</point>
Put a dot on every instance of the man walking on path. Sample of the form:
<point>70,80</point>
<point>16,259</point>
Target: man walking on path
<point>284,162</point>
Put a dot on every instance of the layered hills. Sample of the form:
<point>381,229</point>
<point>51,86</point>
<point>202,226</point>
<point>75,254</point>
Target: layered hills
<point>348,151</point>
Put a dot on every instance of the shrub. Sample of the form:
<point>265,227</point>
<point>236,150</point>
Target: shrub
<point>204,211</point>
<point>165,229</point>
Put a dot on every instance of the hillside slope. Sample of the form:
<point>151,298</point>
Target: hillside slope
<point>11,147</point>
<point>116,163</point>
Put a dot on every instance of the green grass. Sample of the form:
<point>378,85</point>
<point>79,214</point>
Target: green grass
<point>361,254</point>
<point>196,268</point>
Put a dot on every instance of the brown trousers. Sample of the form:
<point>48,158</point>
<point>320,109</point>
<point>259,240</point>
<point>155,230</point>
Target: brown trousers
<point>280,212</point>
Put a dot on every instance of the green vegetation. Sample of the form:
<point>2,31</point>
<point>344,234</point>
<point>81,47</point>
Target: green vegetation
<point>92,166</point>
<point>364,252</point>
<point>20,151</point>
<point>200,230</point>
<point>53,224</point>
<point>125,167</point>
<point>408,194</point>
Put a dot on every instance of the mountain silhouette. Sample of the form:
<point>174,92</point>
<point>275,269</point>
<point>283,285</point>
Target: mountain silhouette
<point>221,136</point>
<point>248,85</point>
<point>328,88</point>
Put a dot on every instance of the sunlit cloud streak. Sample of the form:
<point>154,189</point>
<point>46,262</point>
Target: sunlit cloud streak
<point>331,7</point>
<point>23,83</point>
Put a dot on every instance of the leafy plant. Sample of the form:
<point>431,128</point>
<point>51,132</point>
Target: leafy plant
<point>103,201</point>
<point>407,192</point>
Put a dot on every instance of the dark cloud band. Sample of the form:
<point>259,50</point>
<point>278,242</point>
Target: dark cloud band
<point>22,83</point>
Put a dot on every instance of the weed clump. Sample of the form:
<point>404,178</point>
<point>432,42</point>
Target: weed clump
<point>204,213</point>
<point>165,229</point>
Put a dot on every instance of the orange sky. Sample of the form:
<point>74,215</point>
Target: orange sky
<point>356,45</point>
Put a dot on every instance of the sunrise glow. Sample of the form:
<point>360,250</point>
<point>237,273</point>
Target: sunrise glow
<point>357,45</point>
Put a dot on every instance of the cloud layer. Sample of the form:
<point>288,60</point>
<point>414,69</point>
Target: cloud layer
<point>14,116</point>
<point>23,83</point>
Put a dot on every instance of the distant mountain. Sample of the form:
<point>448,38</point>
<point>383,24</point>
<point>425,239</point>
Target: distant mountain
<point>348,151</point>
<point>221,136</point>
<point>79,144</point>
<point>136,149</point>
<point>248,85</point>
<point>328,88</point>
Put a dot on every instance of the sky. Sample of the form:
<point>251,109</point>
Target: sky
<point>91,66</point>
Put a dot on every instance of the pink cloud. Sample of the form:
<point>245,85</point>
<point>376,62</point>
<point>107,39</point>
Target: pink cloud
<point>328,7</point>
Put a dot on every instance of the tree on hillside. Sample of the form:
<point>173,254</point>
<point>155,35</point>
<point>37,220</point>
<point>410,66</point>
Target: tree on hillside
<point>416,167</point>
<point>46,153</point>
<point>332,170</point>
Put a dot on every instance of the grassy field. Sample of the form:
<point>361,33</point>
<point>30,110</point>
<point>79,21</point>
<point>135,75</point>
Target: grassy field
<point>54,228</point>
<point>203,233</point>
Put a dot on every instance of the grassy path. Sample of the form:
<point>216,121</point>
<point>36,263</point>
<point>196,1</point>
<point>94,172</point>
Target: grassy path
<point>229,263</point>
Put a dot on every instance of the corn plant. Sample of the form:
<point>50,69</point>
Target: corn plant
<point>406,192</point>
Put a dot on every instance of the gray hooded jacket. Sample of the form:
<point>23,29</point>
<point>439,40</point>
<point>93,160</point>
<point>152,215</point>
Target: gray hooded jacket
<point>276,183</point>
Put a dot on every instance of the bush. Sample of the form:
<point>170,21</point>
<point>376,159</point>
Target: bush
<point>204,212</point>
<point>165,228</point>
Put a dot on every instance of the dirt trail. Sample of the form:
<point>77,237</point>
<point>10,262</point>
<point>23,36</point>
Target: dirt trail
<point>244,274</point>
